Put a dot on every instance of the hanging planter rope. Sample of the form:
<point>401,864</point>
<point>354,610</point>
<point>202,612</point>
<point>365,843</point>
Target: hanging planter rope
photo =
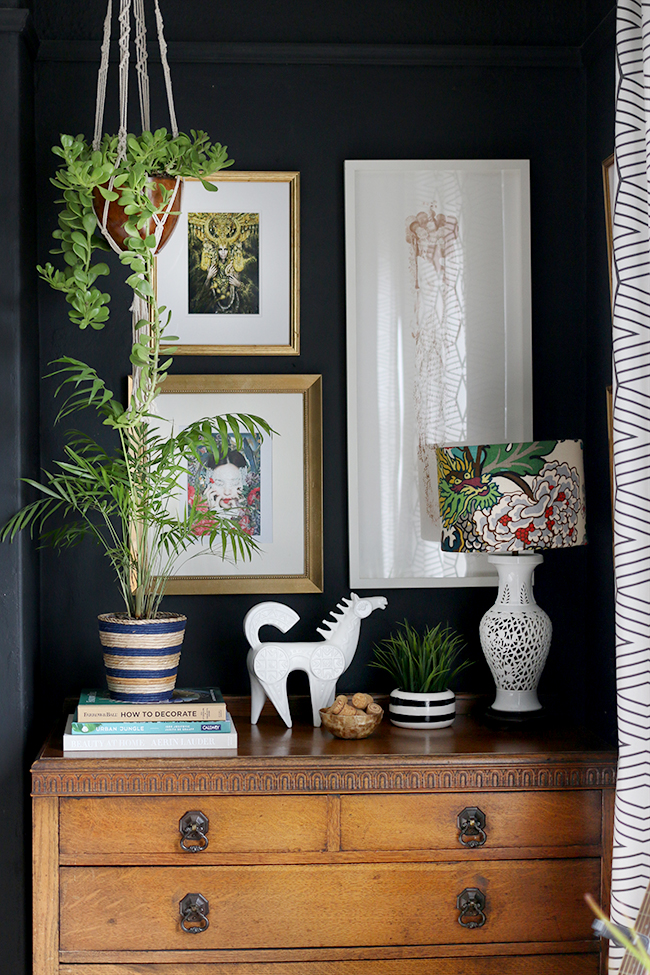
<point>110,214</point>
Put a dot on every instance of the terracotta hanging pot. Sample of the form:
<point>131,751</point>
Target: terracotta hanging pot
<point>141,656</point>
<point>117,218</point>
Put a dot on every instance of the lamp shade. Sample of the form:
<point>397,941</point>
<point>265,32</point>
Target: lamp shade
<point>511,498</point>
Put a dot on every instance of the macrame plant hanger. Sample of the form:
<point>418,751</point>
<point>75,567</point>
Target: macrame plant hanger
<point>139,307</point>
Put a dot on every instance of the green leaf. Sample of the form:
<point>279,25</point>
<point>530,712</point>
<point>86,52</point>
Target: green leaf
<point>145,288</point>
<point>81,252</point>
<point>522,459</point>
<point>139,355</point>
<point>89,222</point>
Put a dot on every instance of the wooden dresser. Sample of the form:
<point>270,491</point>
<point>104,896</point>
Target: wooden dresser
<point>465,851</point>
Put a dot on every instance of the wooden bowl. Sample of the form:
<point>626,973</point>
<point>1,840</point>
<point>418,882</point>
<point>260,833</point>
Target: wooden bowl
<point>350,725</point>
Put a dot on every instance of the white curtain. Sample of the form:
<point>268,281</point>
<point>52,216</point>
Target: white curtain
<point>631,866</point>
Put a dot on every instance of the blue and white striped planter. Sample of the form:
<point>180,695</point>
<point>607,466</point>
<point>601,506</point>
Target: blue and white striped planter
<point>406,709</point>
<point>141,656</point>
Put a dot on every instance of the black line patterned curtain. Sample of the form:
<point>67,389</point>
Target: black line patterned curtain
<point>631,344</point>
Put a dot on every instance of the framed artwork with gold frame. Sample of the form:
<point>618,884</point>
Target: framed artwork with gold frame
<point>609,190</point>
<point>278,498</point>
<point>230,272</point>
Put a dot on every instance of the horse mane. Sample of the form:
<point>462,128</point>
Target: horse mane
<point>330,627</point>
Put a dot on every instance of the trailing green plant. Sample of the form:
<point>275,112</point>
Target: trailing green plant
<point>125,179</point>
<point>121,497</point>
<point>421,663</point>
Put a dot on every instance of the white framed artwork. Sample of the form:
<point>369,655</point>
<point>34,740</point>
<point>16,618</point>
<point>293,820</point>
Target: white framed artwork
<point>439,349</point>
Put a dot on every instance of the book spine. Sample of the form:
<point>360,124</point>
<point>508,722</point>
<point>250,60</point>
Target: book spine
<point>150,728</point>
<point>136,714</point>
<point>98,743</point>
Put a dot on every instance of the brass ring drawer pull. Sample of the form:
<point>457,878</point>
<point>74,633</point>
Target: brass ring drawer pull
<point>193,826</point>
<point>193,909</point>
<point>471,825</point>
<point>471,903</point>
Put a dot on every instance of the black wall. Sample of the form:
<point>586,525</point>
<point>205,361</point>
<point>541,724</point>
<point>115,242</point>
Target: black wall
<point>290,86</point>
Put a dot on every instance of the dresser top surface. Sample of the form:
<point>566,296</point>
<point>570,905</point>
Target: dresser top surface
<point>471,739</point>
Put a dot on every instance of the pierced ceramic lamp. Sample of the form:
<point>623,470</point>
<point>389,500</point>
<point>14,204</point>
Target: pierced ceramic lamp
<point>511,501</point>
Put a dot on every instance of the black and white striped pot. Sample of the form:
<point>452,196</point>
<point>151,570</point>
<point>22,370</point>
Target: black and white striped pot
<point>407,709</point>
<point>141,656</point>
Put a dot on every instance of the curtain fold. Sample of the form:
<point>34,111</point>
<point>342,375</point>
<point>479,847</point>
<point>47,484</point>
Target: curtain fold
<point>631,372</point>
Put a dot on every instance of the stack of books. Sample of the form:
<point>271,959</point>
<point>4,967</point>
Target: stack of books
<point>193,719</point>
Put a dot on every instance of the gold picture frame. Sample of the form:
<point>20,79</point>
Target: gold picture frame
<point>291,558</point>
<point>609,190</point>
<point>230,272</point>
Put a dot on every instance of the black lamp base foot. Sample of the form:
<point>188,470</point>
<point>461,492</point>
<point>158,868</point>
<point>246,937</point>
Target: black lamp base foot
<point>515,717</point>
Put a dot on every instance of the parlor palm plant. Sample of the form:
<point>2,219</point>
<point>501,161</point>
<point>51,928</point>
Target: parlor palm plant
<point>121,497</point>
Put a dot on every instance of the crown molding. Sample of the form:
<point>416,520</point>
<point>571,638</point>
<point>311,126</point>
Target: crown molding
<point>381,55</point>
<point>15,20</point>
<point>604,36</point>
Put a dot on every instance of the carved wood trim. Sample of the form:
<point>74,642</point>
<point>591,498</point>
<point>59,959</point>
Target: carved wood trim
<point>303,779</point>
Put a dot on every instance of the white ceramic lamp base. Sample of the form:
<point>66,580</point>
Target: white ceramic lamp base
<point>516,637</point>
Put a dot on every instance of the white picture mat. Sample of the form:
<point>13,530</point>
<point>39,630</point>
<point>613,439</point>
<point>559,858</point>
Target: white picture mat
<point>385,492</point>
<point>285,554</point>
<point>272,326</point>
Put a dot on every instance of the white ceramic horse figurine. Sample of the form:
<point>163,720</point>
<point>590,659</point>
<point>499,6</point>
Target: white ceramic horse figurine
<point>269,664</point>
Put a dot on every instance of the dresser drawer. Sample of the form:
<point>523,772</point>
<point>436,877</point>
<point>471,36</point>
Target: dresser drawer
<point>520,820</point>
<point>585,964</point>
<point>137,908</point>
<point>114,826</point>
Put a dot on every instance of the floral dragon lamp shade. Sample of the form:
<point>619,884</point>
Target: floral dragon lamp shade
<point>511,501</point>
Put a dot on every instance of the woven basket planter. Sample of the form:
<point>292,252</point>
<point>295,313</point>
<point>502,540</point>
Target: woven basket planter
<point>141,656</point>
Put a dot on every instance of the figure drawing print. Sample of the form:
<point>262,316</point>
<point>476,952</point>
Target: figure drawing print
<point>223,263</point>
<point>435,254</point>
<point>231,484</point>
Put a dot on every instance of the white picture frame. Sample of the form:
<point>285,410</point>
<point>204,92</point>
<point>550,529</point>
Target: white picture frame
<point>291,553</point>
<point>472,235</point>
<point>271,325</point>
